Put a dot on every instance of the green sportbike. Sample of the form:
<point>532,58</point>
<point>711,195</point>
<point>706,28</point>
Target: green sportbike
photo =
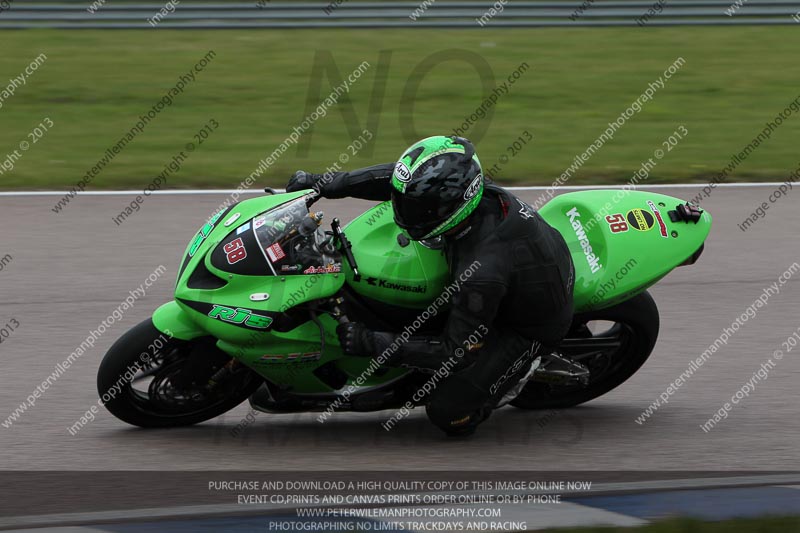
<point>263,285</point>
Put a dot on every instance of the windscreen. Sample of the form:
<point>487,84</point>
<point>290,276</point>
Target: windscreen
<point>293,242</point>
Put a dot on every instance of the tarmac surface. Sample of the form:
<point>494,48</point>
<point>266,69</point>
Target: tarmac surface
<point>70,270</point>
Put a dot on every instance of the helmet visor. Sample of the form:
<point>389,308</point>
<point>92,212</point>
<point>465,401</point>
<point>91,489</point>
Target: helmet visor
<point>420,216</point>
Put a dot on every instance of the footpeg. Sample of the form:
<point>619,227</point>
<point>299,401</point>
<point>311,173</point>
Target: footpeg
<point>556,369</point>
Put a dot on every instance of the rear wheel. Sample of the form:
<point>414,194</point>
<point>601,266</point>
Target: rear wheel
<point>151,380</point>
<point>613,343</point>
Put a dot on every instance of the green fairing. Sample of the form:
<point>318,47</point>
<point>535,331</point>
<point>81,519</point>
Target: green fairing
<point>631,260</point>
<point>417,274</point>
<point>616,267</point>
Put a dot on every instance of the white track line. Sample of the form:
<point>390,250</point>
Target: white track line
<point>179,192</point>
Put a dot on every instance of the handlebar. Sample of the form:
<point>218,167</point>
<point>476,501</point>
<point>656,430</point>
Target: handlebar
<point>347,247</point>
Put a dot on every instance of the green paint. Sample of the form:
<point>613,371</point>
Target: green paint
<point>643,256</point>
<point>204,232</point>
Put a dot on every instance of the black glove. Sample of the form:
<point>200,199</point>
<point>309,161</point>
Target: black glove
<point>302,180</point>
<point>356,339</point>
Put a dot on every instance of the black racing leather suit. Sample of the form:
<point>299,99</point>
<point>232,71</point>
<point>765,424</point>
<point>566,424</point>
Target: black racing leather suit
<point>515,295</point>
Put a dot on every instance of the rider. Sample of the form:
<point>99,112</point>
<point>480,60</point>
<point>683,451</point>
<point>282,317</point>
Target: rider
<point>518,300</point>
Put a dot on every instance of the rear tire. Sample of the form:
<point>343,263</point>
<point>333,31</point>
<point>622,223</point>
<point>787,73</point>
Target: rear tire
<point>183,362</point>
<point>636,329</point>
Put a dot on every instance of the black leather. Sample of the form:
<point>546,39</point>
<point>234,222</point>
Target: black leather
<point>302,180</point>
<point>515,277</point>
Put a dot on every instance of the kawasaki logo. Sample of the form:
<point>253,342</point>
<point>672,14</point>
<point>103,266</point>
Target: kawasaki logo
<point>242,316</point>
<point>385,284</point>
<point>580,232</point>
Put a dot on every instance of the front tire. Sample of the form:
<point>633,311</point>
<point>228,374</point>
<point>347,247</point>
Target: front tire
<point>612,356</point>
<point>176,376</point>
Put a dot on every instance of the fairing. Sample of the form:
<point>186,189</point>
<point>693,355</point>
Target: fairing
<point>621,242</point>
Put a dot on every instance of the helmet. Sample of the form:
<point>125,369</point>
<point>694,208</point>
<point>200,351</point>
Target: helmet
<point>436,185</point>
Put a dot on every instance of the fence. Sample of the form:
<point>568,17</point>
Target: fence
<point>19,14</point>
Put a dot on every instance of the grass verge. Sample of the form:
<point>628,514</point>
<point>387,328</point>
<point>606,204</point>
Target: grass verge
<point>94,85</point>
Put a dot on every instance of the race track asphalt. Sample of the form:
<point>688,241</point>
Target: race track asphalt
<point>71,270</point>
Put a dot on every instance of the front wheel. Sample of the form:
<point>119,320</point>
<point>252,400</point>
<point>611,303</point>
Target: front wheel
<point>612,354</point>
<point>150,380</point>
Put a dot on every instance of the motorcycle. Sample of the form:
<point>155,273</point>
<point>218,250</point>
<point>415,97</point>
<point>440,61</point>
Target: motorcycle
<point>262,286</point>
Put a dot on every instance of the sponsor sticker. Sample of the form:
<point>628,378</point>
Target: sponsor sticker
<point>298,357</point>
<point>402,172</point>
<point>641,220</point>
<point>303,357</point>
<point>275,253</point>
<point>204,232</point>
<point>243,228</point>
<point>241,316</point>
<point>330,268</point>
<point>473,188</point>
<point>662,227</point>
<point>260,221</point>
